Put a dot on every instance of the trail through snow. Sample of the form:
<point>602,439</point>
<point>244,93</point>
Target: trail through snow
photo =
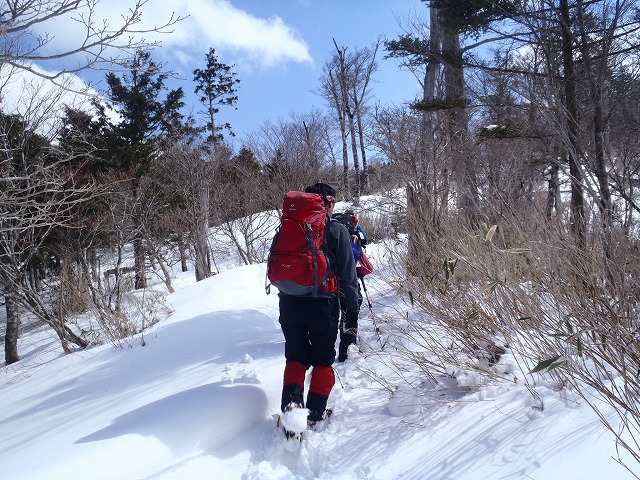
<point>200,398</point>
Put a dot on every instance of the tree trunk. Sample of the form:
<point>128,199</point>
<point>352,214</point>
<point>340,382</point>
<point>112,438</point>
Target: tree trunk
<point>553,190</point>
<point>182,247</point>
<point>66,335</point>
<point>165,271</point>
<point>312,152</point>
<point>345,161</point>
<point>201,245</point>
<point>91,259</point>
<point>140,253</point>
<point>343,106</point>
<point>212,119</point>
<point>354,150</point>
<point>115,295</point>
<point>13,327</point>
<point>139,250</point>
<point>455,99</point>
<point>343,135</point>
<point>366,187</point>
<point>415,209</point>
<point>427,124</point>
<point>596,85</point>
<point>578,220</point>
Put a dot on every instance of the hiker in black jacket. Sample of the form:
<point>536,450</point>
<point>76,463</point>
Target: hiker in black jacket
<point>348,326</point>
<point>310,324</point>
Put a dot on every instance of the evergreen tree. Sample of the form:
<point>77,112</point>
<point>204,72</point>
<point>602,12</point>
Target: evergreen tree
<point>216,86</point>
<point>473,17</point>
<point>145,118</point>
<point>134,142</point>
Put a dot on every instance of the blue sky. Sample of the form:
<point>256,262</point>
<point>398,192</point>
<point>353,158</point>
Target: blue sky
<point>278,49</point>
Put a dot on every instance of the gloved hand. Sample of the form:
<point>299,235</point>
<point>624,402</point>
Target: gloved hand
<point>351,318</point>
<point>348,333</point>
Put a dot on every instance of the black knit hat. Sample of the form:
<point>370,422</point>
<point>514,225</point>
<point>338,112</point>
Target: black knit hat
<point>327,192</point>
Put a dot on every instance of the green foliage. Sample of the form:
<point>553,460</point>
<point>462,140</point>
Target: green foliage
<point>439,104</point>
<point>570,335</point>
<point>22,148</point>
<point>474,16</point>
<point>236,171</point>
<point>507,129</point>
<point>41,199</point>
<point>216,85</point>
<point>448,269</point>
<point>415,50</point>
<point>247,159</point>
<point>549,364</point>
<point>278,167</point>
<point>449,266</point>
<point>82,138</point>
<point>145,118</point>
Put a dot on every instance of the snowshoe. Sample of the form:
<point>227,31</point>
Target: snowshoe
<point>293,422</point>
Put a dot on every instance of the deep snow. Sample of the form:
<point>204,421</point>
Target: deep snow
<point>198,399</point>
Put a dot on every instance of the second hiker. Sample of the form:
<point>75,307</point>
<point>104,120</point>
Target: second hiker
<point>348,323</point>
<point>309,320</point>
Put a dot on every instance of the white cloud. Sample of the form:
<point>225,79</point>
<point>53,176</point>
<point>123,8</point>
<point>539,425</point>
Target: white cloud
<point>266,42</point>
<point>219,24</point>
<point>38,100</point>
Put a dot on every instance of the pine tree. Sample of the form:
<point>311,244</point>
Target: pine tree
<point>473,17</point>
<point>135,140</point>
<point>216,85</point>
<point>145,118</point>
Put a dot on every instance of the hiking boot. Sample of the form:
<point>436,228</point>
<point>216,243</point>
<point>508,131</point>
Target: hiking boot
<point>319,425</point>
<point>293,418</point>
<point>343,348</point>
<point>317,405</point>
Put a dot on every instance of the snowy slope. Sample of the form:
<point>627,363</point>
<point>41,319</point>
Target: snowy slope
<point>198,399</point>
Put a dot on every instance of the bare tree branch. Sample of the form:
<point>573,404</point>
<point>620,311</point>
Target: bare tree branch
<point>101,46</point>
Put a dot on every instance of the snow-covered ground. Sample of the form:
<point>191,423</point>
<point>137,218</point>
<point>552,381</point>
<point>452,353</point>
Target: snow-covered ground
<point>197,398</point>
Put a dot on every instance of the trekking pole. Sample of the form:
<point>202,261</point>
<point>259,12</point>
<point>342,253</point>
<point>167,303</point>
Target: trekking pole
<point>373,316</point>
<point>366,293</point>
<point>335,370</point>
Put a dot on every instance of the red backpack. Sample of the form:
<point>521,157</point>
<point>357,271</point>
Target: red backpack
<point>297,264</point>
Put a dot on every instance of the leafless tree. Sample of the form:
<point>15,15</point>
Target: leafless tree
<point>624,140</point>
<point>40,196</point>
<point>398,134</point>
<point>186,172</point>
<point>331,88</point>
<point>553,290</point>
<point>363,65</point>
<point>26,41</point>
<point>36,198</point>
<point>294,153</point>
<point>242,201</point>
<point>346,86</point>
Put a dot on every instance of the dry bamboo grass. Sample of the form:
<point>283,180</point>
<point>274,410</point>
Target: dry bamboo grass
<point>571,314</point>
